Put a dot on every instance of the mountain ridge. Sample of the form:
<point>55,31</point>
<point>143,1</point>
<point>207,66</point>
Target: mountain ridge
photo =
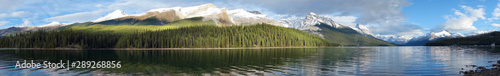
<point>210,13</point>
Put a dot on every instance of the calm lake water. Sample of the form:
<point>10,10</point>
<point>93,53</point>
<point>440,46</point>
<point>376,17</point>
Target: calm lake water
<point>418,60</point>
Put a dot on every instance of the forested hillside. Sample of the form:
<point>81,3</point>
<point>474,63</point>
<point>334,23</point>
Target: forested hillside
<point>348,36</point>
<point>260,35</point>
<point>126,26</point>
<point>483,39</point>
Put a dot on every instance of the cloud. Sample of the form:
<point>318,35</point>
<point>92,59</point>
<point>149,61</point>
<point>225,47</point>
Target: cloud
<point>478,32</point>
<point>344,20</point>
<point>496,25</point>
<point>385,15</point>
<point>496,13</point>
<point>134,6</point>
<point>369,11</point>
<point>408,30</point>
<point>14,14</point>
<point>2,23</point>
<point>26,22</point>
<point>8,5</point>
<point>138,6</point>
<point>461,21</point>
<point>77,17</point>
<point>99,5</point>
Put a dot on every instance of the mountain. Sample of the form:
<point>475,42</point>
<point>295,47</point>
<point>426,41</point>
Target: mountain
<point>162,18</point>
<point>432,36</point>
<point>50,26</point>
<point>113,15</point>
<point>399,40</point>
<point>7,31</point>
<point>492,38</point>
<point>244,17</point>
<point>363,30</point>
<point>208,14</point>
<point>329,30</point>
<point>309,22</point>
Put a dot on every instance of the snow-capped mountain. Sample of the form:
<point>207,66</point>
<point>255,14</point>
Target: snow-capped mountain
<point>419,40</point>
<point>400,40</point>
<point>442,34</point>
<point>113,15</point>
<point>432,36</point>
<point>207,11</point>
<point>310,20</point>
<point>307,23</point>
<point>364,30</point>
<point>242,17</point>
<point>220,16</point>
<point>54,23</point>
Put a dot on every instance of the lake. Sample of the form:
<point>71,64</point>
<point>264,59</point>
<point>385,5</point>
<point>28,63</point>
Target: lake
<point>397,60</point>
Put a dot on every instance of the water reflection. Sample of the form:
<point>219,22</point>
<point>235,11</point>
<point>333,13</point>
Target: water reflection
<point>284,61</point>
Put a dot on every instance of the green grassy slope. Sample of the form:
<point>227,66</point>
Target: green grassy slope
<point>349,37</point>
<point>483,39</point>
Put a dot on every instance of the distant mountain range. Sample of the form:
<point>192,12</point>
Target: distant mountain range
<point>488,39</point>
<point>328,29</point>
<point>433,36</point>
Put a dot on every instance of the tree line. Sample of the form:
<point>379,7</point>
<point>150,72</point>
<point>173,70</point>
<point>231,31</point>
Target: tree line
<point>259,35</point>
<point>483,39</point>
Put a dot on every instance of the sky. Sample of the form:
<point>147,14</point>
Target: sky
<point>384,17</point>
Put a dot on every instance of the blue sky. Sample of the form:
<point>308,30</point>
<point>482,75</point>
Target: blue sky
<point>384,17</point>
<point>430,13</point>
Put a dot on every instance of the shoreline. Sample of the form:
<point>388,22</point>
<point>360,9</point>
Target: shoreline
<point>150,48</point>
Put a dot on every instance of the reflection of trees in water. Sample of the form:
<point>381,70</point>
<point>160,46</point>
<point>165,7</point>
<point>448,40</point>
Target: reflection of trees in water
<point>8,58</point>
<point>197,62</point>
<point>209,61</point>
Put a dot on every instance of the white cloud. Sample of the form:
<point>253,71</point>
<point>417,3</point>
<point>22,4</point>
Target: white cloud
<point>386,16</point>
<point>461,21</point>
<point>2,23</point>
<point>26,22</point>
<point>408,30</point>
<point>137,6</point>
<point>10,4</point>
<point>99,5</point>
<point>14,14</point>
<point>478,32</point>
<point>496,13</point>
<point>495,24</point>
<point>344,20</point>
<point>77,17</point>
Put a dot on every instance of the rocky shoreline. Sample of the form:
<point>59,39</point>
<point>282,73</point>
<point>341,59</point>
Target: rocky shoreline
<point>483,70</point>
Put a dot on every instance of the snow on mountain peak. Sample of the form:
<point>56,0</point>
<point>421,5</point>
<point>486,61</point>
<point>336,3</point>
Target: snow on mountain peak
<point>309,21</point>
<point>312,13</point>
<point>255,12</point>
<point>113,15</point>
<point>443,33</point>
<point>118,12</point>
<point>201,10</point>
<point>160,10</point>
<point>245,14</point>
<point>394,39</point>
<point>207,11</point>
<point>363,30</point>
<point>54,23</point>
